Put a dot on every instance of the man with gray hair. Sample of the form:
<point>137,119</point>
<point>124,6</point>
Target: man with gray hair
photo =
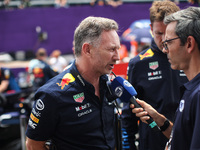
<point>182,46</point>
<point>74,109</point>
<point>155,82</point>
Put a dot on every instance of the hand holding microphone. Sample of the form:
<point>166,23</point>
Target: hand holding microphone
<point>142,111</point>
<point>126,92</point>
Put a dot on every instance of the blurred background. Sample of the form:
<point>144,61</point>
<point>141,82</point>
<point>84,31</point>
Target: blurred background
<point>26,25</point>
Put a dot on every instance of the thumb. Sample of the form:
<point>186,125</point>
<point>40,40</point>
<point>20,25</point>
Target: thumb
<point>141,102</point>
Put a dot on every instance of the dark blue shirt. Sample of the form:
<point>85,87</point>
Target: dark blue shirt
<point>186,127</point>
<point>68,112</point>
<point>156,83</point>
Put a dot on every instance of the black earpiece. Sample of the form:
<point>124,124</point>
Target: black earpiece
<point>111,96</point>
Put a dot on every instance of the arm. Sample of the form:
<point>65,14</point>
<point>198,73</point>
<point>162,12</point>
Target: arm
<point>157,117</point>
<point>4,85</point>
<point>35,145</point>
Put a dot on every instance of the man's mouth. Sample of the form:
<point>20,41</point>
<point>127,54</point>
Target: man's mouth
<point>112,66</point>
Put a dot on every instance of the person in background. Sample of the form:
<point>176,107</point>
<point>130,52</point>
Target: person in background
<point>61,3</point>
<point>182,46</point>
<point>74,109</point>
<point>98,2</point>
<point>57,62</point>
<point>24,4</point>
<point>115,3</point>
<point>39,70</point>
<point>5,4</point>
<point>123,53</point>
<point>155,82</point>
<point>8,87</point>
<point>7,81</point>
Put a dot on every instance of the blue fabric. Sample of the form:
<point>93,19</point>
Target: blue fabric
<point>186,126</point>
<point>68,111</point>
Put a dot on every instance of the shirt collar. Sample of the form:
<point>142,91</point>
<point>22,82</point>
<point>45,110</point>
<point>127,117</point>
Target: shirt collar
<point>193,83</point>
<point>81,80</point>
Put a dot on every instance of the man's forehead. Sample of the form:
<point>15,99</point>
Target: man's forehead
<point>170,30</point>
<point>159,27</point>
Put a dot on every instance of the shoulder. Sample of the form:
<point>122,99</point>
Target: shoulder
<point>60,83</point>
<point>33,61</point>
<point>142,56</point>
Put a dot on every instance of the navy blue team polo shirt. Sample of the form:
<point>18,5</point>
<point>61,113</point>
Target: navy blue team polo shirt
<point>68,112</point>
<point>186,130</point>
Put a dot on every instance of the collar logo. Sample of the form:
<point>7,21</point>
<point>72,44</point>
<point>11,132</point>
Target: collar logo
<point>67,78</point>
<point>149,53</point>
<point>181,105</point>
<point>79,97</point>
<point>153,65</point>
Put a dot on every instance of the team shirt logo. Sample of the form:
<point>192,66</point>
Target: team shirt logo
<point>36,120</point>
<point>36,114</point>
<point>181,105</point>
<point>155,74</point>
<point>149,53</point>
<point>153,65</point>
<point>38,72</point>
<point>79,97</point>
<point>84,109</point>
<point>182,74</point>
<point>39,104</point>
<point>67,78</point>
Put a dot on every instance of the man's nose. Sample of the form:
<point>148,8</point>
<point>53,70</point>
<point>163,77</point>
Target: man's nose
<point>164,50</point>
<point>116,56</point>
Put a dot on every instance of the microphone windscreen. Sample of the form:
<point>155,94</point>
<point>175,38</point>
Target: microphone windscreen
<point>126,92</point>
<point>123,89</point>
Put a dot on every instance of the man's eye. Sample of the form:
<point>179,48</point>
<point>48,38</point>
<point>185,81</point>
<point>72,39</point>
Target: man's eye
<point>169,42</point>
<point>112,49</point>
<point>159,33</point>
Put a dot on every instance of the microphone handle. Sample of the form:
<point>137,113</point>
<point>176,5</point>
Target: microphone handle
<point>151,122</point>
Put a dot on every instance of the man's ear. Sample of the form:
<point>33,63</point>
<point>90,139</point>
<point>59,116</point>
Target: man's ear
<point>151,26</point>
<point>86,48</point>
<point>190,43</point>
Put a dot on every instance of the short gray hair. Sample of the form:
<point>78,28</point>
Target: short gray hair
<point>188,23</point>
<point>90,29</point>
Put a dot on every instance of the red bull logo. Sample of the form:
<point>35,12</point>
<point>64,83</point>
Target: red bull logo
<point>38,72</point>
<point>149,53</point>
<point>67,78</point>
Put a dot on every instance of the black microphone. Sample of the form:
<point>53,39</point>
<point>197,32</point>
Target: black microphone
<point>126,92</point>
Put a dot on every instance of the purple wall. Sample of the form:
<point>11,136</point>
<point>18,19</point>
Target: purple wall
<point>17,27</point>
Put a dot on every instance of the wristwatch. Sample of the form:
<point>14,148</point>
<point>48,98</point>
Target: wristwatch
<point>165,126</point>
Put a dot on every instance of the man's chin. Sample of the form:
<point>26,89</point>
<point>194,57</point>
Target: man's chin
<point>108,72</point>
